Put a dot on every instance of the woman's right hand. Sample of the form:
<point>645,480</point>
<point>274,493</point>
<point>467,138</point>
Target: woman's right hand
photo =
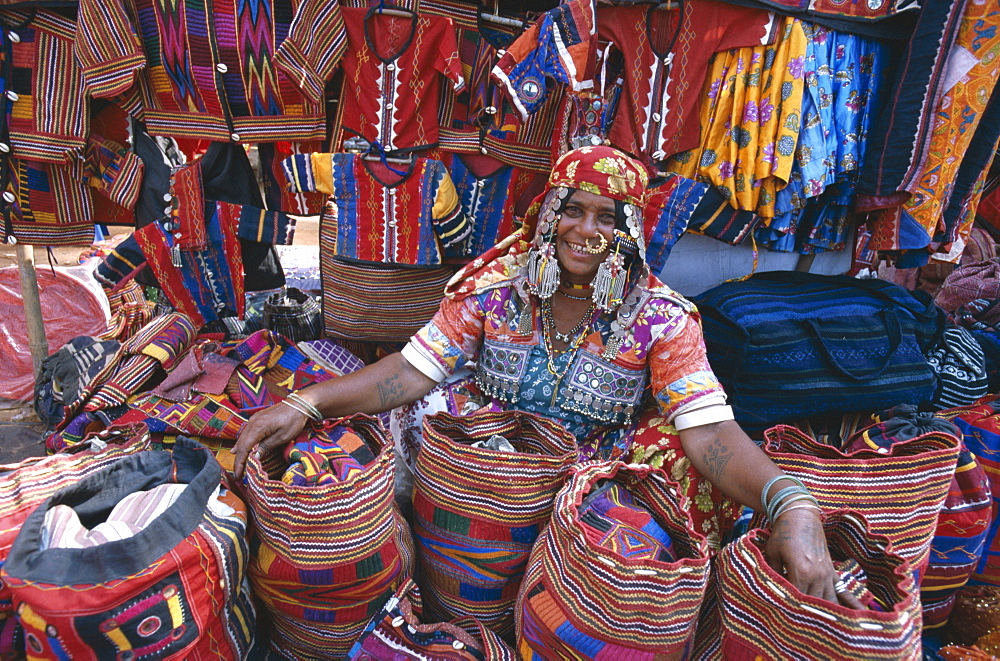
<point>266,430</point>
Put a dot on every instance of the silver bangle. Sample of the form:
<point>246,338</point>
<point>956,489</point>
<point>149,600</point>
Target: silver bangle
<point>310,410</point>
<point>293,405</point>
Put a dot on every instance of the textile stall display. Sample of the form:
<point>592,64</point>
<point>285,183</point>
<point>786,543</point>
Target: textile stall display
<point>330,545</point>
<point>618,573</point>
<point>479,504</point>
<point>424,137</point>
<point>145,558</point>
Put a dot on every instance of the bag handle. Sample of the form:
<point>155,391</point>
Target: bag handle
<point>895,332</point>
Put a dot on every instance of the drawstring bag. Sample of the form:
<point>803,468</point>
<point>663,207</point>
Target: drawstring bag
<point>25,485</point>
<point>598,586</point>
<point>172,588</point>
<point>294,315</point>
<point>765,616</point>
<point>899,490</point>
<point>328,555</point>
<point>399,631</point>
<point>477,511</point>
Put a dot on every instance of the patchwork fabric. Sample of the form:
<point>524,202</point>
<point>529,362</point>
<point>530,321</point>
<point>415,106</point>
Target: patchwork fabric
<point>611,518</point>
<point>326,456</point>
<point>399,630</point>
<point>326,556</point>
<point>24,486</point>
<point>899,491</point>
<point>477,511</point>
<point>175,590</point>
<point>765,616</point>
<point>581,599</point>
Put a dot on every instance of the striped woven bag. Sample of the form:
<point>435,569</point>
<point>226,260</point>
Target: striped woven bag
<point>899,490</point>
<point>478,511</point>
<point>766,617</point>
<point>25,485</point>
<point>326,557</point>
<point>583,599</point>
<point>399,631</point>
<point>980,427</point>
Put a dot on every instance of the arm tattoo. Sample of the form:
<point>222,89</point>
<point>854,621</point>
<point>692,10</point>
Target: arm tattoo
<point>717,457</point>
<point>390,391</point>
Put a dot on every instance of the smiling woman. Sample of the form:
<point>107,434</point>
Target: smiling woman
<point>571,326</point>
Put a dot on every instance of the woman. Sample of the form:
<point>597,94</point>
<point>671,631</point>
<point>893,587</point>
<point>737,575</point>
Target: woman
<point>573,327</point>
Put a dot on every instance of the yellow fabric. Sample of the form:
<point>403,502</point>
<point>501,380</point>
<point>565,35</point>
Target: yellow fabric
<point>750,114</point>
<point>446,202</point>
<point>322,167</point>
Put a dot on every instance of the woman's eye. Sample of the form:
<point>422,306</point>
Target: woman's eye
<point>572,211</point>
<point>606,219</point>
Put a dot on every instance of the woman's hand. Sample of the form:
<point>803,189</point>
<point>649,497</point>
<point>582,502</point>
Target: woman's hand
<point>269,429</point>
<point>797,548</point>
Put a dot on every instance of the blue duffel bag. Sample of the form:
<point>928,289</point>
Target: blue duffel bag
<point>789,345</point>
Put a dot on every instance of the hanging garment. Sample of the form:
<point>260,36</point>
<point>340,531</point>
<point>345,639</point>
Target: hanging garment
<point>175,590</point>
<point>199,264</point>
<point>884,20</point>
<point>244,72</point>
<point>47,168</point>
<point>380,214</point>
<point>750,118</point>
<point>967,103</point>
<point>272,178</point>
<point>391,86</point>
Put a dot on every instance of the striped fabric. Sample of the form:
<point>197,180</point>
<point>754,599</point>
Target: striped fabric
<point>581,600</point>
<point>326,557</point>
<point>980,426</point>
<point>959,539</point>
<point>899,491</point>
<point>478,511</point>
<point>130,311</point>
<point>399,632</point>
<point>356,305</point>
<point>175,590</point>
<point>25,485</point>
<point>764,616</point>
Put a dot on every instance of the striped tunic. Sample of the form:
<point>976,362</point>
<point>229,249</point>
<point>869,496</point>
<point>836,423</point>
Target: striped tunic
<point>240,71</point>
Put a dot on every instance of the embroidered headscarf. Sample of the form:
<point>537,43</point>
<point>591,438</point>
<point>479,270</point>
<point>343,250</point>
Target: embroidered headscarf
<point>600,170</point>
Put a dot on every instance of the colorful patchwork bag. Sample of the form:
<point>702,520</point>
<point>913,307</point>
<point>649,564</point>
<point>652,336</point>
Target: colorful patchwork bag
<point>614,594</point>
<point>898,490</point>
<point>399,632</point>
<point>765,616</point>
<point>788,345</point>
<point>980,427</point>
<point>25,485</point>
<point>176,589</point>
<point>477,511</point>
<point>327,556</point>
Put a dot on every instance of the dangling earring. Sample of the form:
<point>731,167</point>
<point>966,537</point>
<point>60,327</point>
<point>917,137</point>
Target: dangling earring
<point>543,270</point>
<point>609,283</point>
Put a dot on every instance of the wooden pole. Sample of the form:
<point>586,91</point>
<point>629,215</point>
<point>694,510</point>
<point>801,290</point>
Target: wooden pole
<point>32,306</point>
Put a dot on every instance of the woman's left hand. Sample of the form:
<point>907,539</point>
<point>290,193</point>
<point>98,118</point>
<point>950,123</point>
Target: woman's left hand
<point>797,548</point>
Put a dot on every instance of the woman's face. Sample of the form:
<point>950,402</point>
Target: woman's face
<point>585,218</point>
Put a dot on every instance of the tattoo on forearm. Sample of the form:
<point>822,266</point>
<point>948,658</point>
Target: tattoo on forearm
<point>717,457</point>
<point>390,391</point>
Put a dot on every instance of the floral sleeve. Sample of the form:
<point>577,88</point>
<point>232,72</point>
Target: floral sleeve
<point>681,377</point>
<point>449,340</point>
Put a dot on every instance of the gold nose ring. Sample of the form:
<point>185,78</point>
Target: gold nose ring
<point>602,244</point>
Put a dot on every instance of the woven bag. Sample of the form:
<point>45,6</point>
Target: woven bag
<point>899,490</point>
<point>583,600</point>
<point>980,427</point>
<point>399,631</point>
<point>356,306</point>
<point>294,315</point>
<point>765,616</point>
<point>25,485</point>
<point>326,557</point>
<point>176,589</point>
<point>478,511</point>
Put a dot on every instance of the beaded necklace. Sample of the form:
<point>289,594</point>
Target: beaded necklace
<point>575,298</point>
<point>577,336</point>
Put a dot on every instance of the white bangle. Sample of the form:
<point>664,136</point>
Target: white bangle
<point>306,406</point>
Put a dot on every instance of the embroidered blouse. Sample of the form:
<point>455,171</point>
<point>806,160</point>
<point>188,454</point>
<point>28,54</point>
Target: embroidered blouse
<point>384,216</point>
<point>392,87</point>
<point>597,396</point>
